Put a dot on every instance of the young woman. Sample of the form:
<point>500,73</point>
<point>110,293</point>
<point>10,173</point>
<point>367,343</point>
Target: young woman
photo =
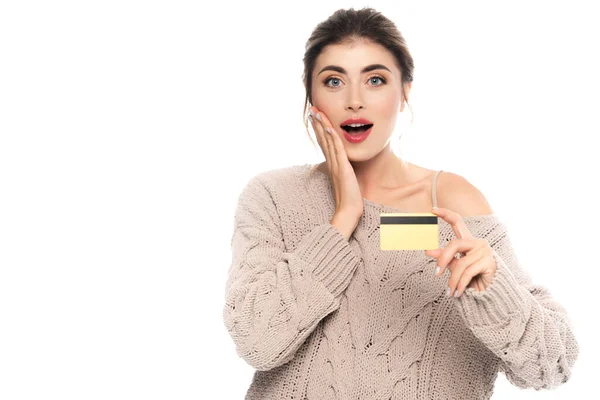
<point>316,307</point>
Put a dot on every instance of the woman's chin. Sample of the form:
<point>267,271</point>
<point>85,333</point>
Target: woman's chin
<point>358,155</point>
<point>362,153</point>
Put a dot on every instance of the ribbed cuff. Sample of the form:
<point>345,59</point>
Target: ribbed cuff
<point>330,254</point>
<point>502,299</point>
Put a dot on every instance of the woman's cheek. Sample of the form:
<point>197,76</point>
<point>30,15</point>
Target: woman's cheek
<point>389,105</point>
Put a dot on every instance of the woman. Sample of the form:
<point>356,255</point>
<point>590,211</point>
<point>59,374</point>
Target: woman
<point>316,307</point>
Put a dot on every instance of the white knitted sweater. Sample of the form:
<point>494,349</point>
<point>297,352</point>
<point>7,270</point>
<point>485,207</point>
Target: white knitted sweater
<point>320,317</point>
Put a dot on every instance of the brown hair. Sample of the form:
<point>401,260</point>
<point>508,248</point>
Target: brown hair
<point>347,26</point>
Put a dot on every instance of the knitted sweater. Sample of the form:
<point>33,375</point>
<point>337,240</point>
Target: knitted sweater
<point>320,317</point>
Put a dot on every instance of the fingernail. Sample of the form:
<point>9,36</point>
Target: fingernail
<point>456,293</point>
<point>437,270</point>
<point>448,292</point>
<point>328,130</point>
<point>312,113</point>
<point>318,117</point>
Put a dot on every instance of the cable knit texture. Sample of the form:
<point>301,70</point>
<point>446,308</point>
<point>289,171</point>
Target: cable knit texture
<point>320,317</point>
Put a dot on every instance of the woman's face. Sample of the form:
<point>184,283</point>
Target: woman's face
<point>375,95</point>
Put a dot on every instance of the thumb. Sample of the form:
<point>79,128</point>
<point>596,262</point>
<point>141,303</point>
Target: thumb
<point>433,252</point>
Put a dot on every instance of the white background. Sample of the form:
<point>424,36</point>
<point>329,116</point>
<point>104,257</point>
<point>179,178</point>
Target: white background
<point>129,128</point>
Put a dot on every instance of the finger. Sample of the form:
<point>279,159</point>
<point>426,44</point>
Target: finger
<point>450,267</point>
<point>339,145</point>
<point>455,246</point>
<point>336,139</point>
<point>435,253</point>
<point>456,270</point>
<point>325,142</point>
<point>320,140</point>
<point>463,274</point>
<point>455,220</point>
<point>332,148</point>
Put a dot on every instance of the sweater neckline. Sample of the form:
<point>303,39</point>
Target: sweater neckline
<point>373,206</point>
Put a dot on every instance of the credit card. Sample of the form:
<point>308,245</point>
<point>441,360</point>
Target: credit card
<point>408,231</point>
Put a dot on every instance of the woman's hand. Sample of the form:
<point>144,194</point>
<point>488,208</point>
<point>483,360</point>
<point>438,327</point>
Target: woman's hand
<point>476,266</point>
<point>348,197</point>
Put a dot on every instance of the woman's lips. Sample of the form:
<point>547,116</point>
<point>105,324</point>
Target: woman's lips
<point>357,138</point>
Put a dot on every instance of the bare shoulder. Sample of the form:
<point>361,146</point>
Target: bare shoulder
<point>456,193</point>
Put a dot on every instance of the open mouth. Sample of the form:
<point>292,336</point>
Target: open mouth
<point>356,130</point>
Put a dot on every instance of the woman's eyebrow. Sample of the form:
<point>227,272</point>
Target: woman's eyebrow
<point>343,71</point>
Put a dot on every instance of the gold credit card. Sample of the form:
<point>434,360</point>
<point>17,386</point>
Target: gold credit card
<point>408,231</point>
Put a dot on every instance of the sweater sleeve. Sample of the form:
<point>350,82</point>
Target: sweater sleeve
<point>520,322</point>
<point>274,297</point>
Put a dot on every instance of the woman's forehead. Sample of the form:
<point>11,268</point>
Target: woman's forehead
<point>355,57</point>
<point>358,48</point>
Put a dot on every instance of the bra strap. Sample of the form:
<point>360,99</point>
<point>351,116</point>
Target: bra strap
<point>433,188</point>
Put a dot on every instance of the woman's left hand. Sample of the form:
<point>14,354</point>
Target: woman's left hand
<point>475,268</point>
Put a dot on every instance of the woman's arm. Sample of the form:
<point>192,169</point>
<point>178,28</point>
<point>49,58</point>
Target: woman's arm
<point>275,298</point>
<point>520,322</point>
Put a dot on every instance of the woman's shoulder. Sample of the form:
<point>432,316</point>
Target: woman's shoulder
<point>457,193</point>
<point>270,189</point>
<point>280,175</point>
<point>276,182</point>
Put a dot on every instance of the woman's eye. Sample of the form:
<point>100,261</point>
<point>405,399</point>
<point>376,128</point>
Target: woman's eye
<point>328,80</point>
<point>380,78</point>
<point>331,79</point>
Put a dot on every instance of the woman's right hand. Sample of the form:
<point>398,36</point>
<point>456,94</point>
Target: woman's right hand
<point>348,198</point>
